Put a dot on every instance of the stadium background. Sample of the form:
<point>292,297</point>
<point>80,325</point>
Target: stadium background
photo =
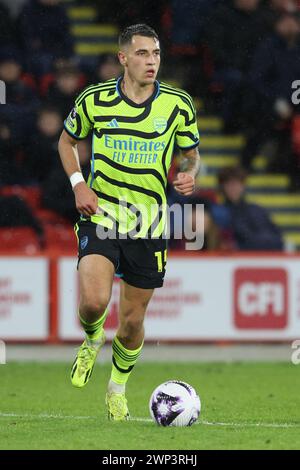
<point>228,302</point>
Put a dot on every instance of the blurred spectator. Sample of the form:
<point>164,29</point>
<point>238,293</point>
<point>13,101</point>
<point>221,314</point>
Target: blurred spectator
<point>57,191</point>
<point>131,12</point>
<point>186,221</point>
<point>67,84</point>
<point>197,222</point>
<point>64,64</point>
<point>274,8</point>
<point>108,67</point>
<point>233,32</point>
<point>41,147</point>
<point>14,6</point>
<point>275,66</point>
<point>10,173</point>
<point>248,225</point>
<point>189,19</point>
<point>21,99</point>
<point>44,29</point>
<point>7,27</point>
<point>187,23</point>
<point>284,6</point>
<point>14,212</point>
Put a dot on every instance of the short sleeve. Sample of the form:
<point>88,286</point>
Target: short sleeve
<point>187,135</point>
<point>79,124</point>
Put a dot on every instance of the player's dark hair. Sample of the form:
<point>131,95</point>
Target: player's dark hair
<point>136,30</point>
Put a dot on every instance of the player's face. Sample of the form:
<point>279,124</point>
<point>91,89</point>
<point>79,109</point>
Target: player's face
<point>141,59</point>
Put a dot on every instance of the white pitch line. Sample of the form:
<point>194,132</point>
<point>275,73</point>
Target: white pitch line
<point>42,416</point>
<point>253,425</point>
<point>238,425</point>
<point>149,420</point>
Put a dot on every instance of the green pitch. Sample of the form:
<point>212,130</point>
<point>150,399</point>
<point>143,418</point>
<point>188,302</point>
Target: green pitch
<point>244,406</point>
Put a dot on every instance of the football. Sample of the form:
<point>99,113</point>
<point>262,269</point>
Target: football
<point>174,403</point>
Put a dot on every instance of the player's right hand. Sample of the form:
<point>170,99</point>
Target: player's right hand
<point>86,200</point>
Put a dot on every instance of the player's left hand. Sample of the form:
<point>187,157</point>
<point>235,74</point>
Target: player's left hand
<point>184,184</point>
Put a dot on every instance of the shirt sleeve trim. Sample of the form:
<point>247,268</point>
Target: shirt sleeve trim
<point>71,133</point>
<point>190,146</point>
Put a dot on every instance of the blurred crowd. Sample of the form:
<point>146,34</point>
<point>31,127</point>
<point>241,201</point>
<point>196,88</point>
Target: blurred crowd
<point>244,53</point>
<point>228,222</point>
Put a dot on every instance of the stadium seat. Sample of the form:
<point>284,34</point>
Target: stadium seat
<point>21,240</point>
<point>30,194</point>
<point>60,237</point>
<point>47,216</point>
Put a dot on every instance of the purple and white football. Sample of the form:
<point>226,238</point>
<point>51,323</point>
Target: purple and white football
<point>175,403</point>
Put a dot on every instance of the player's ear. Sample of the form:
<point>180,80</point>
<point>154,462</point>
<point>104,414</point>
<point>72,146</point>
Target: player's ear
<point>122,58</point>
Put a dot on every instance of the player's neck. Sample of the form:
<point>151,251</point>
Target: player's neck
<point>136,92</point>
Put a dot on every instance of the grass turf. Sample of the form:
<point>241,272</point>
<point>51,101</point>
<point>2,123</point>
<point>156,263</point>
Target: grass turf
<point>258,404</point>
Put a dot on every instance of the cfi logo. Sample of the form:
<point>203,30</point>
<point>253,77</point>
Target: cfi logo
<point>160,124</point>
<point>83,242</point>
<point>260,298</point>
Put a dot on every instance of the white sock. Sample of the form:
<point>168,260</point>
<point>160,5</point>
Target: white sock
<point>115,388</point>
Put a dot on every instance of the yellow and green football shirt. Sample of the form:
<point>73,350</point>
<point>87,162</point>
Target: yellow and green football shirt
<point>132,151</point>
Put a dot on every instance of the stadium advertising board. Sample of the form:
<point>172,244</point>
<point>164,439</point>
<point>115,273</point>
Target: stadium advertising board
<point>251,298</point>
<point>24,293</point>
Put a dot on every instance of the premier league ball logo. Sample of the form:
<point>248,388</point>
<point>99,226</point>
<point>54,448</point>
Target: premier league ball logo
<point>175,403</point>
